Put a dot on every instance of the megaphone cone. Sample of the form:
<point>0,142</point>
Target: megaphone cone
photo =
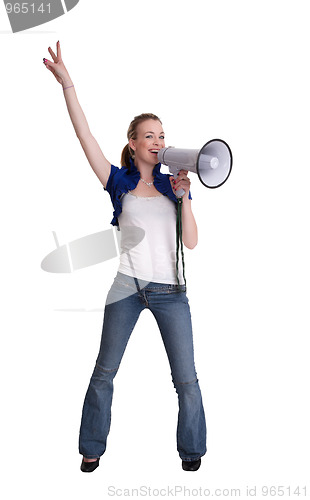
<point>212,163</point>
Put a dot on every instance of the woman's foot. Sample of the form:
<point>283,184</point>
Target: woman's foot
<point>89,464</point>
<point>193,466</point>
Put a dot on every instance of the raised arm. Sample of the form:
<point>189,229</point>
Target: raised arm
<point>100,165</point>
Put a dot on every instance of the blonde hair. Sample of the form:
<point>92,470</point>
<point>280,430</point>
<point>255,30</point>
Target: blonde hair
<point>127,152</point>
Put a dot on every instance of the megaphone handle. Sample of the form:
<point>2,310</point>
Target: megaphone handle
<point>180,192</point>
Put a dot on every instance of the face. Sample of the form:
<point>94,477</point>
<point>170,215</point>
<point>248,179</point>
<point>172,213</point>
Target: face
<point>150,139</point>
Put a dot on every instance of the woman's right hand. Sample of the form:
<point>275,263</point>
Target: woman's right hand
<point>57,67</point>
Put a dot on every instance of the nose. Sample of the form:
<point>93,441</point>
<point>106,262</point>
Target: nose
<point>159,142</point>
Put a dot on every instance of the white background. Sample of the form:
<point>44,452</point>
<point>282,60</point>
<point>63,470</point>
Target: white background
<point>235,70</point>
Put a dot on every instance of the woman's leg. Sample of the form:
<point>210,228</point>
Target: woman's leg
<point>172,313</point>
<point>120,317</point>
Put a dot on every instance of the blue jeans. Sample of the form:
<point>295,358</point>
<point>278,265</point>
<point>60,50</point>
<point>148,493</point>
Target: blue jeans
<point>125,301</point>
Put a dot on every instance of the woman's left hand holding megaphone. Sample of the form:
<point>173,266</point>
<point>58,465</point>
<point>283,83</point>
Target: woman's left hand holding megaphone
<point>181,182</point>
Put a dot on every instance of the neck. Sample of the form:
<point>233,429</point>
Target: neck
<point>146,171</point>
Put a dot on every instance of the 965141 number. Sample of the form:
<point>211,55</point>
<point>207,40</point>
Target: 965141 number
<point>25,8</point>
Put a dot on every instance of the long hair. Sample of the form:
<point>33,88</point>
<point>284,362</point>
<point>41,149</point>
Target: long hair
<point>127,152</point>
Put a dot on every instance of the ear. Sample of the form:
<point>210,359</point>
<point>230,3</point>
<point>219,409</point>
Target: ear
<point>132,144</point>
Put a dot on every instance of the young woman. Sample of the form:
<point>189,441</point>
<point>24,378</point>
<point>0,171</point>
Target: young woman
<point>142,198</point>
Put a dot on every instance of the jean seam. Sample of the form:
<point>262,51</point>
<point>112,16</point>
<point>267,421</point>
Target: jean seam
<point>163,290</point>
<point>192,459</point>
<point>105,370</point>
<point>169,288</point>
<point>186,383</point>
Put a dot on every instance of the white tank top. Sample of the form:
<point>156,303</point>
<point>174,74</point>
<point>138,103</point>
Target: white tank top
<point>154,258</point>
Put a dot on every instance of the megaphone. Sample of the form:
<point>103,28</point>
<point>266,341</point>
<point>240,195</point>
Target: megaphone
<point>212,163</point>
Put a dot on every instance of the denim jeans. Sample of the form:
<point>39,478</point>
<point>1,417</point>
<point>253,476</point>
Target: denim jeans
<point>125,301</point>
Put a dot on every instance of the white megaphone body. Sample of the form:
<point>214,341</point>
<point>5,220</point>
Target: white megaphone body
<point>212,163</point>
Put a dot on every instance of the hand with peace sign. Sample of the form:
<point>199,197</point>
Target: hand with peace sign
<point>57,67</point>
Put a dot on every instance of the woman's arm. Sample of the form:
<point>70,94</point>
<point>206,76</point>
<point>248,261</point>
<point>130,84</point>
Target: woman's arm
<point>97,160</point>
<point>189,226</point>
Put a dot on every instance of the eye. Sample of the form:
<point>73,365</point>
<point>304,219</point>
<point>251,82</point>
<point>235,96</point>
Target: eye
<point>162,137</point>
<point>148,136</point>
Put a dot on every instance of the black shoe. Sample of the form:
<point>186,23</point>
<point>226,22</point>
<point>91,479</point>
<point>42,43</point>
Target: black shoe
<point>194,465</point>
<point>89,466</point>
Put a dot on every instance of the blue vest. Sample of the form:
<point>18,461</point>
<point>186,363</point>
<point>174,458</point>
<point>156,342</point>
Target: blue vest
<point>121,180</point>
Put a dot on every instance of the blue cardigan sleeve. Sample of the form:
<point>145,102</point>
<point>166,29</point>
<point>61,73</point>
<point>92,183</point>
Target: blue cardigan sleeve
<point>110,183</point>
<point>111,188</point>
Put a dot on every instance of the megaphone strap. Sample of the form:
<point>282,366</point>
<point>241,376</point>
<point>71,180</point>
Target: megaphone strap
<point>179,240</point>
